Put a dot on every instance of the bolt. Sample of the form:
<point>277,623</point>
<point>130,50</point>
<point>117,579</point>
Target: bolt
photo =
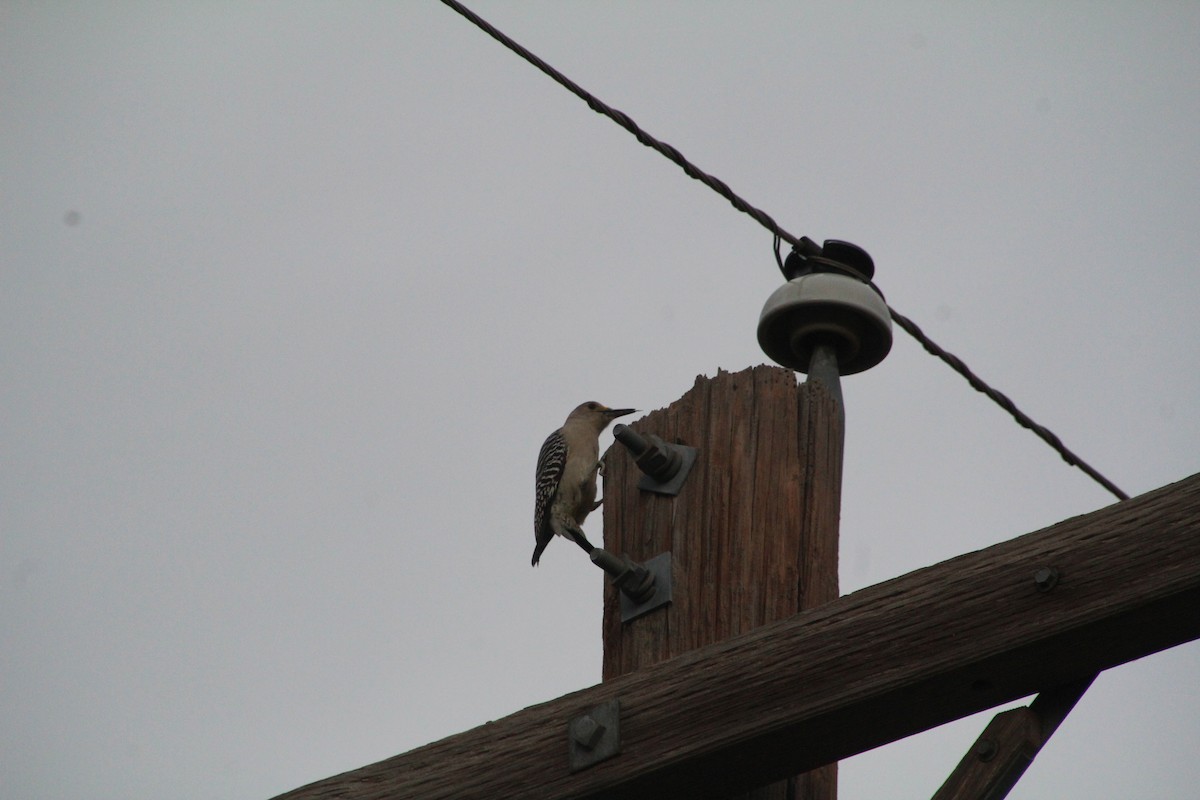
<point>653,456</point>
<point>636,582</point>
<point>985,749</point>
<point>1045,579</point>
<point>586,732</point>
<point>636,443</point>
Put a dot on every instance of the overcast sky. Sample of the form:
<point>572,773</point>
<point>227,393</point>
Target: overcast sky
<point>290,294</point>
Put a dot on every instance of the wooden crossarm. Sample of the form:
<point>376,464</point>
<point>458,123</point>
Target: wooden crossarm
<point>871,667</point>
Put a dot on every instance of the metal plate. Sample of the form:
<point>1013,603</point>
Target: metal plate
<point>660,568</point>
<point>595,736</point>
<point>672,486</point>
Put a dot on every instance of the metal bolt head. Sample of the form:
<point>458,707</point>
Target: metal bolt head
<point>985,749</point>
<point>594,735</point>
<point>1045,579</point>
<point>586,732</point>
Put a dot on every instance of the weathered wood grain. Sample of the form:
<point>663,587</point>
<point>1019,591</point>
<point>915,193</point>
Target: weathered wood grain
<point>733,531</point>
<point>1015,745</point>
<point>998,758</point>
<point>858,672</point>
<point>752,536</point>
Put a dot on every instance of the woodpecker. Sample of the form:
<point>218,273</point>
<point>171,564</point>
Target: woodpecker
<point>566,475</point>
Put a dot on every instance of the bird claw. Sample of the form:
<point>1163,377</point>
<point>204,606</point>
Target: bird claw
<point>581,540</point>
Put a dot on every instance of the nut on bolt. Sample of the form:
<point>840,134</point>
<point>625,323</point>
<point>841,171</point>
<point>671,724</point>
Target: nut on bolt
<point>1045,579</point>
<point>586,732</point>
<point>664,466</point>
<point>594,735</point>
<point>986,749</point>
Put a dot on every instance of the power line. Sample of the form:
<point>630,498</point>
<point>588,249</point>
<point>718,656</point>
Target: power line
<point>1002,400</point>
<point>807,246</point>
<point>803,244</point>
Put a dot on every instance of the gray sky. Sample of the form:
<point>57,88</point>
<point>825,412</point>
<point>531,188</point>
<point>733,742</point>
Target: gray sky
<point>277,279</point>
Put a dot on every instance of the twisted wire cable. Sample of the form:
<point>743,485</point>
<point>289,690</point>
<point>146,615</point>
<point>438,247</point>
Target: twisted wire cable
<point>625,121</point>
<point>802,244</point>
<point>1023,419</point>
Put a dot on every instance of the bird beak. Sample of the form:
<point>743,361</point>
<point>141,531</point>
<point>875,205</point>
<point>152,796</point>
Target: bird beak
<point>613,413</point>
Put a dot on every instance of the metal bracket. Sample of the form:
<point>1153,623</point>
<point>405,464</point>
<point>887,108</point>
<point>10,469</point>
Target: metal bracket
<point>665,466</point>
<point>643,587</point>
<point>595,736</point>
<point>660,568</point>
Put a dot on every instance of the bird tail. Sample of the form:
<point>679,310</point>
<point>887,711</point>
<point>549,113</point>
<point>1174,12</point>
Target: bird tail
<point>537,550</point>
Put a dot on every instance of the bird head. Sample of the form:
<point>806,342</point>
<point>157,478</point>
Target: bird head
<point>598,414</point>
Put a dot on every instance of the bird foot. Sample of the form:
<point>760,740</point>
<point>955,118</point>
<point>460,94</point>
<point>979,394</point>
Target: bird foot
<point>581,540</point>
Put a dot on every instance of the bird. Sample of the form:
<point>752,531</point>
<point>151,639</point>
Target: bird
<point>565,489</point>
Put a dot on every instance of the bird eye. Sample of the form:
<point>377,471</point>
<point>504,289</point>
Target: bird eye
<point>591,406</point>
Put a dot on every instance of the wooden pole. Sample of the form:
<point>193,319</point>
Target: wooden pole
<point>753,535</point>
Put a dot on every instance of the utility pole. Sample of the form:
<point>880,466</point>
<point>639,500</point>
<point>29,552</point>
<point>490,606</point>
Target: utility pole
<point>753,535</point>
<point>730,662</point>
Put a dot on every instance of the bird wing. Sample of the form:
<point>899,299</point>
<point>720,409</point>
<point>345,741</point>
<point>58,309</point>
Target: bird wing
<point>552,459</point>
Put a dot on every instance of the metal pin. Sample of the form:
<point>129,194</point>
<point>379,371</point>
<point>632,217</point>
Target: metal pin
<point>1045,579</point>
<point>586,732</point>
